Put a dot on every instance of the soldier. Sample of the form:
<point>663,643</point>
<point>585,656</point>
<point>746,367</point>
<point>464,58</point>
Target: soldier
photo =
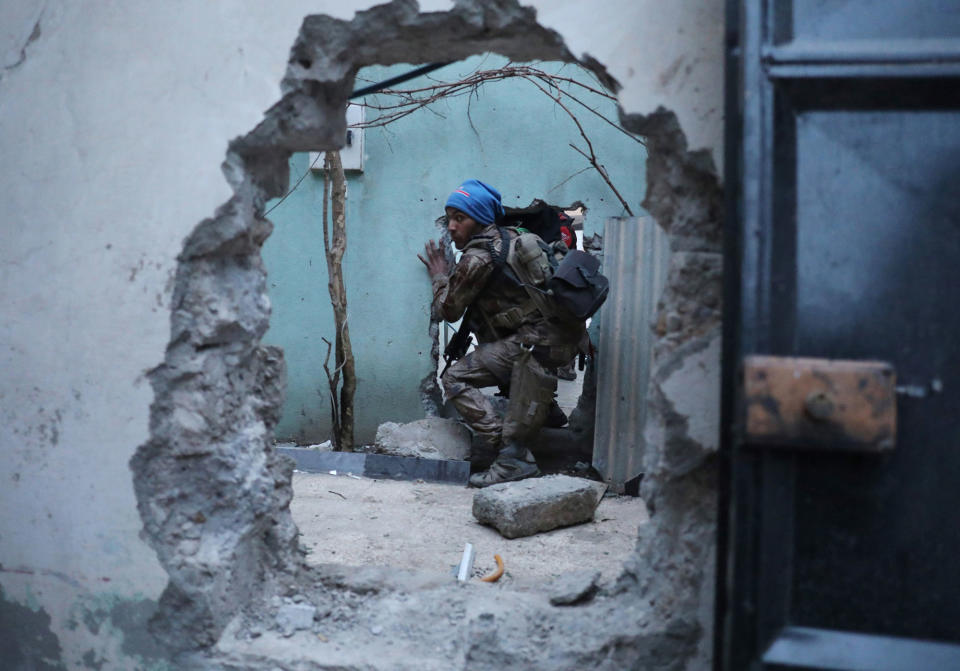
<point>519,347</point>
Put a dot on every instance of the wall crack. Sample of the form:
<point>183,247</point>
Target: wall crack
<point>17,55</point>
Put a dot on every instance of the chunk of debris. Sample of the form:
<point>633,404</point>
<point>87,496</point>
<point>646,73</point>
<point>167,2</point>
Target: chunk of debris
<point>431,438</point>
<point>292,617</point>
<point>574,588</point>
<point>527,507</point>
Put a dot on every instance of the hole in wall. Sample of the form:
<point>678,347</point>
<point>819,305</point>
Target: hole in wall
<point>509,133</point>
<point>222,526</point>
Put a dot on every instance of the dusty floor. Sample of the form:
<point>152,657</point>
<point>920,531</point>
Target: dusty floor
<point>423,526</point>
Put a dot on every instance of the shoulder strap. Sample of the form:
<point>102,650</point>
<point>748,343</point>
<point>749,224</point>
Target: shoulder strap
<point>499,258</point>
<point>499,263</point>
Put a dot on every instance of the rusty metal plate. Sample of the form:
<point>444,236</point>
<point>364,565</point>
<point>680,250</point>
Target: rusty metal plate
<point>820,403</point>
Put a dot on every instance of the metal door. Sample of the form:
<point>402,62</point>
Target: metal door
<point>843,242</point>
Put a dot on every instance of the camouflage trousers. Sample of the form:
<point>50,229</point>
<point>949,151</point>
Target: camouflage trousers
<point>505,363</point>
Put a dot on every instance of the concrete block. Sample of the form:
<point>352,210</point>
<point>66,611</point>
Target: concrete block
<point>683,423</point>
<point>430,438</point>
<point>574,588</point>
<point>531,506</point>
<point>292,617</point>
<point>315,461</point>
<point>411,468</point>
<point>378,465</point>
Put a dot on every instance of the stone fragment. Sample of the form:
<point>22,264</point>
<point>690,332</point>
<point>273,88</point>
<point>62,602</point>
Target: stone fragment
<point>295,616</point>
<point>531,506</point>
<point>430,438</point>
<point>683,398</point>
<point>690,304</point>
<point>573,588</point>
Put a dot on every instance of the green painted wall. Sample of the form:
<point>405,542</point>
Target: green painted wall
<point>520,146</point>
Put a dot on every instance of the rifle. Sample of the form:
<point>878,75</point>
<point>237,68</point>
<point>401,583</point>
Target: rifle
<point>459,343</point>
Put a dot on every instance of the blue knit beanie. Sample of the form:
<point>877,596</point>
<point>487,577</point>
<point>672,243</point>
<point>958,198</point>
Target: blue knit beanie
<point>480,201</point>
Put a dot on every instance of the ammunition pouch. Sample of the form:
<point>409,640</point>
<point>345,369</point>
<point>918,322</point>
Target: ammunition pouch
<point>515,317</point>
<point>531,393</point>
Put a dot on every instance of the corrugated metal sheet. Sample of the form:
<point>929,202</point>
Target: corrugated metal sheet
<point>635,258</point>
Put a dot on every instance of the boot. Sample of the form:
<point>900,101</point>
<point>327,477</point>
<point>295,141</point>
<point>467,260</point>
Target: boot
<point>483,451</point>
<point>513,463</point>
<point>482,459</point>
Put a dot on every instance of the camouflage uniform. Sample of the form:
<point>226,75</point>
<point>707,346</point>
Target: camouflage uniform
<point>519,348</point>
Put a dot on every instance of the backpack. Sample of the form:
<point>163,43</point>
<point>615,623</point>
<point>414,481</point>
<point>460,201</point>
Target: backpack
<point>564,284</point>
<point>577,284</point>
<point>539,217</point>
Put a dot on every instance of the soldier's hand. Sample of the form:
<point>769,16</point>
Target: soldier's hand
<point>435,260</point>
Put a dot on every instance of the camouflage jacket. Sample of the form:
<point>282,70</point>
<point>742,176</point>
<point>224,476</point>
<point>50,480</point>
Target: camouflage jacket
<point>504,308</point>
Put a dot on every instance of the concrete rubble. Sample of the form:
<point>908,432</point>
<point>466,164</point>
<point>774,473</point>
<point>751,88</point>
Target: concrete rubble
<point>430,438</point>
<point>574,588</point>
<point>386,619</point>
<point>531,506</point>
<point>674,568</point>
<point>293,617</point>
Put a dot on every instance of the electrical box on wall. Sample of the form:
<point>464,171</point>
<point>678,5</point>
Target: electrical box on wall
<point>352,152</point>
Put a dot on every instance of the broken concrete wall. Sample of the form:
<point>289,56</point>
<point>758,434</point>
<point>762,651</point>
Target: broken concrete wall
<point>114,122</point>
<point>114,125</point>
<point>675,564</point>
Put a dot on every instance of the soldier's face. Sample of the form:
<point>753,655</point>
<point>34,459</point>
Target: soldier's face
<point>461,227</point>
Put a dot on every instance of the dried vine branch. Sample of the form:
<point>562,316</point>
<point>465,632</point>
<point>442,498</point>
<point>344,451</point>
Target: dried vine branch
<point>333,382</point>
<point>592,156</point>
<point>334,246</point>
<point>411,100</point>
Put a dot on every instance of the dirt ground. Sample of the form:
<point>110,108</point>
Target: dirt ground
<point>423,526</point>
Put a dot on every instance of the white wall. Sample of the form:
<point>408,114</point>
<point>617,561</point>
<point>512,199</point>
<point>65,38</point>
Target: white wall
<point>667,54</point>
<point>113,126</point>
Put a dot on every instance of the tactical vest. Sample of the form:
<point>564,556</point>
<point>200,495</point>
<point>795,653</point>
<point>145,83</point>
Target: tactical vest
<point>523,261</point>
<point>561,285</point>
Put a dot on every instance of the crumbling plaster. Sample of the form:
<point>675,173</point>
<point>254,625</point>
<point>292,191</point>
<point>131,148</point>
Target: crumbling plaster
<point>112,126</point>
